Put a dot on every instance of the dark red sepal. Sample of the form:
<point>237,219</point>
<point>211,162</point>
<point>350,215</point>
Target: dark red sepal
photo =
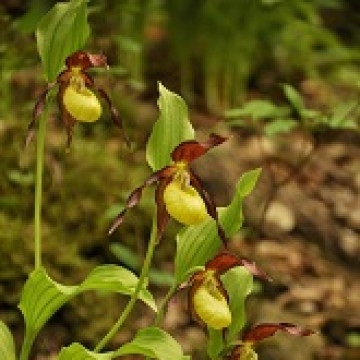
<point>114,114</point>
<point>190,150</point>
<point>263,331</point>
<point>38,110</point>
<point>209,203</point>
<point>85,60</point>
<point>226,260</point>
<point>162,216</point>
<point>68,121</point>
<point>135,196</point>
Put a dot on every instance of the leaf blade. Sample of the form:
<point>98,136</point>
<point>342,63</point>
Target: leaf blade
<point>42,296</point>
<point>171,128</point>
<point>238,283</point>
<point>198,243</point>
<point>155,343</point>
<point>7,345</point>
<point>76,351</point>
<point>294,98</point>
<point>61,31</point>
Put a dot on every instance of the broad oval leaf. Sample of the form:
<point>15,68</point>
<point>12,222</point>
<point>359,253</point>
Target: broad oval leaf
<point>7,346</point>
<point>62,31</point>
<point>42,296</point>
<point>172,128</point>
<point>151,342</point>
<point>154,343</point>
<point>238,283</point>
<point>199,243</point>
<point>76,351</point>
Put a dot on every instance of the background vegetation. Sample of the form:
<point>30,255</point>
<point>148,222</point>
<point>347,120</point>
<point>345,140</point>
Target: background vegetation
<point>229,59</point>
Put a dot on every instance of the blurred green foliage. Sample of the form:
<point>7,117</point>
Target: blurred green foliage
<point>219,48</point>
<point>265,117</point>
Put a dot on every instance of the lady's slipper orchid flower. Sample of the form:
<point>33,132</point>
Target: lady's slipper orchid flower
<point>179,193</point>
<point>208,300</point>
<point>76,100</point>
<point>245,351</point>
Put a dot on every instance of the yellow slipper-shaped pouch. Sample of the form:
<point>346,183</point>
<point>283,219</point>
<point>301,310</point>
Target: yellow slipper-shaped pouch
<point>184,205</point>
<point>211,308</point>
<point>82,105</point>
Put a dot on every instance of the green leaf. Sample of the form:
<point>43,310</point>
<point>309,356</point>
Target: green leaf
<point>247,182</point>
<point>154,343</point>
<point>238,283</point>
<point>76,351</point>
<point>258,109</point>
<point>7,346</point>
<point>198,243</point>
<point>279,126</point>
<point>215,343</point>
<point>42,296</point>
<point>172,128</point>
<point>151,342</point>
<point>62,31</point>
<point>294,98</point>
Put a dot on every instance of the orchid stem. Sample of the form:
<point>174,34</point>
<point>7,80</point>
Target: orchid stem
<point>160,314</point>
<point>143,275</point>
<point>40,149</point>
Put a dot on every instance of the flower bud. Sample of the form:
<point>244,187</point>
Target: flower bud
<point>184,204</point>
<point>211,306</point>
<point>243,352</point>
<point>82,104</point>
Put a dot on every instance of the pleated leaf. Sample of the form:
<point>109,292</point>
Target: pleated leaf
<point>42,296</point>
<point>150,342</point>
<point>155,343</point>
<point>199,243</point>
<point>7,346</point>
<point>172,128</point>
<point>238,283</point>
<point>77,352</point>
<point>62,31</point>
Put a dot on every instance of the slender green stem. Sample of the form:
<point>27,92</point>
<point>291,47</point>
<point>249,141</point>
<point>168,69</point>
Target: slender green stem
<point>161,311</point>
<point>40,147</point>
<point>128,308</point>
<point>26,347</point>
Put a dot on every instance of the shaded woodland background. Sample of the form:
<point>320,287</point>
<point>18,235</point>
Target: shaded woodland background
<point>302,221</point>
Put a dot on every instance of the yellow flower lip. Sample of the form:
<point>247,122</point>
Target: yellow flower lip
<point>184,203</point>
<point>211,305</point>
<point>81,103</point>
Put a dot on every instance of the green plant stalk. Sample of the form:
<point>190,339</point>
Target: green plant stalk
<point>40,149</point>
<point>129,306</point>
<point>160,314</point>
<point>26,347</point>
